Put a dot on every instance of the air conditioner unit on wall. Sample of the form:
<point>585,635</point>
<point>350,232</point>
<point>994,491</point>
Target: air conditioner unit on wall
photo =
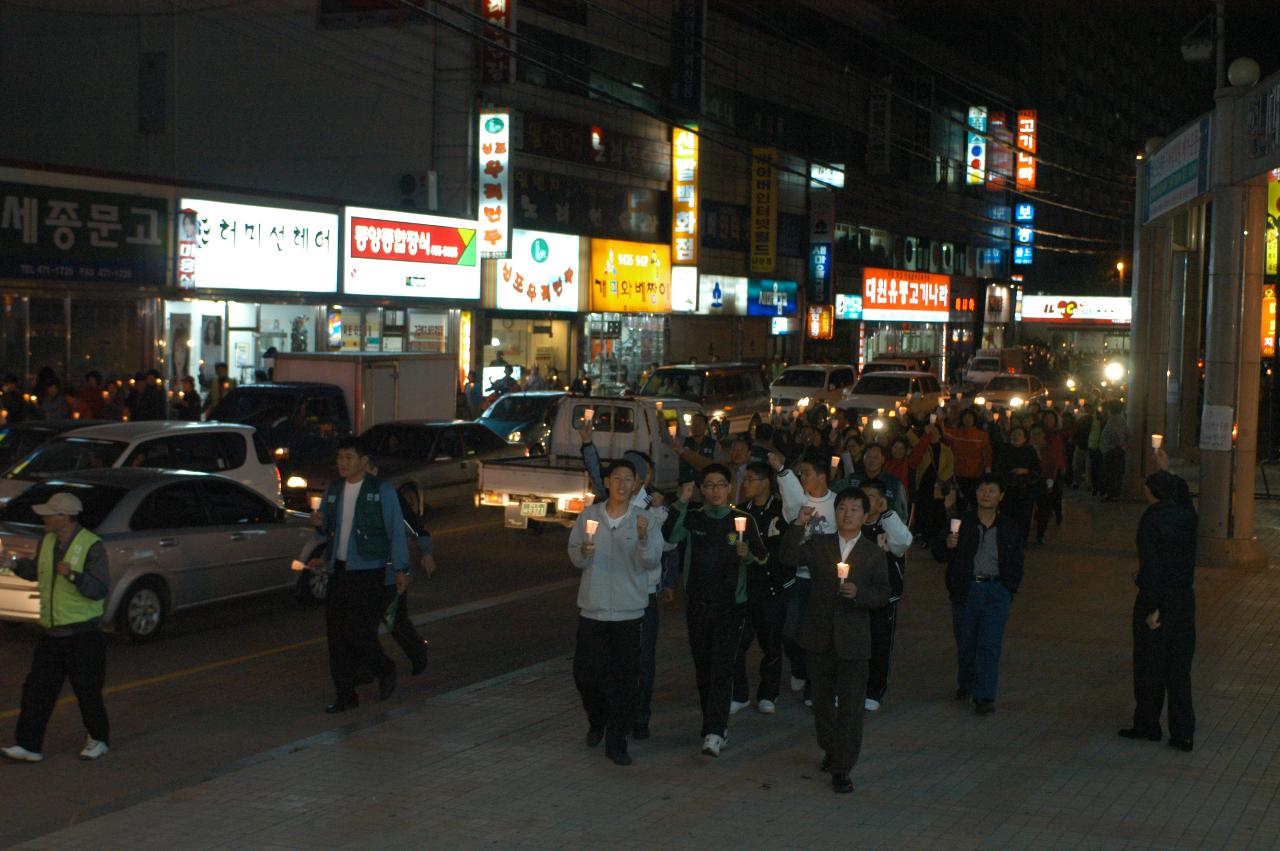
<point>910,252</point>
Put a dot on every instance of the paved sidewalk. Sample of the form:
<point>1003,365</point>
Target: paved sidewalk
<point>502,764</point>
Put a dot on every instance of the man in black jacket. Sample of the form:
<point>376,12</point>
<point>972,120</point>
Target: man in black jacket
<point>982,576</point>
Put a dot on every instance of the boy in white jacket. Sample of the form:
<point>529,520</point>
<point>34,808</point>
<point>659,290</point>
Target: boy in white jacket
<point>616,560</point>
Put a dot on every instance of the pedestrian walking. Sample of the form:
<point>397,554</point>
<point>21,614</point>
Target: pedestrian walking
<point>361,520</point>
<point>1018,466</point>
<point>889,532</point>
<point>1164,628</point>
<point>73,575</point>
<point>613,546</point>
<point>849,577</point>
<point>1113,444</point>
<point>982,576</point>
<point>973,456</point>
<point>718,556</point>
<point>396,601</point>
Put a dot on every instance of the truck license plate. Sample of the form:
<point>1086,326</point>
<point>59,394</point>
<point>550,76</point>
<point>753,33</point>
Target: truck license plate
<point>533,509</point>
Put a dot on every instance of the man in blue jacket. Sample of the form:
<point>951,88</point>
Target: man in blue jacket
<point>361,519</point>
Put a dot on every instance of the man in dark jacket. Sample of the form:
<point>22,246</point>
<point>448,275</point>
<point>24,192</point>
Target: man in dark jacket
<point>982,576</point>
<point>836,629</point>
<point>1164,628</point>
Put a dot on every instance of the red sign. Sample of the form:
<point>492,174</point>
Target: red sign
<point>380,239</point>
<point>495,62</point>
<point>964,304</point>
<point>1026,156</point>
<point>894,295</point>
<point>1268,322</point>
<point>822,322</point>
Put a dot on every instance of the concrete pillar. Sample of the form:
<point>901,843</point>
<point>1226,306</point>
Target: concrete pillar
<point>1149,352</point>
<point>1192,335</point>
<point>1177,343</point>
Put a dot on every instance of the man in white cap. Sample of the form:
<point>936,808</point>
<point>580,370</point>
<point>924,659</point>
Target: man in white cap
<point>71,569</point>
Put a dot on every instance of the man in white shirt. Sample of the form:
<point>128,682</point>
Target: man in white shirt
<point>885,528</point>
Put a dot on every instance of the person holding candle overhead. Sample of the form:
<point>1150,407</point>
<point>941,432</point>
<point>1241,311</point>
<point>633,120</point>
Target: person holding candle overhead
<point>835,632</point>
<point>616,550</point>
<point>717,560</point>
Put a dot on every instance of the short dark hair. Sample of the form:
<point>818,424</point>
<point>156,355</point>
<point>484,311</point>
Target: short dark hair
<point>697,414</point>
<point>740,438</point>
<point>990,479</point>
<point>872,445</point>
<point>852,493</point>
<point>820,465</point>
<point>93,373</point>
<point>715,468</point>
<point>761,470</point>
<point>764,431</point>
<point>620,464</point>
<point>354,443</point>
<point>220,363</point>
<point>875,485</point>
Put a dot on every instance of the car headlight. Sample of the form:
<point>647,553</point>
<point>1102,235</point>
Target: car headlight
<point>980,401</point>
<point>1114,371</point>
<point>1071,384</point>
<point>296,482</point>
<point>514,437</point>
<point>1015,402</point>
<point>804,402</point>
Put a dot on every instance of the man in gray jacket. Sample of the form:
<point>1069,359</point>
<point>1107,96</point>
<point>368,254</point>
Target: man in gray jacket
<point>614,546</point>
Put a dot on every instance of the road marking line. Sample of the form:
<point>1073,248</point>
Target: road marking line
<point>432,617</point>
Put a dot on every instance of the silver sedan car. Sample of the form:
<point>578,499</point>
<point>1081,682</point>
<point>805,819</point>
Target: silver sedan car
<point>174,540</point>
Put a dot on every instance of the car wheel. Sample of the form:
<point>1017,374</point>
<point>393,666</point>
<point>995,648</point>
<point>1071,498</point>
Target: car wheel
<point>313,585</point>
<point>143,611</point>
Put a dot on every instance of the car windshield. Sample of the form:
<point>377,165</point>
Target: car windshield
<point>1006,382</point>
<point>886,367</point>
<point>520,408</point>
<point>801,378</point>
<point>984,364</point>
<point>68,453</point>
<point>16,444</point>
<point>882,385</point>
<point>683,383</point>
<point>255,406</point>
<point>97,501</point>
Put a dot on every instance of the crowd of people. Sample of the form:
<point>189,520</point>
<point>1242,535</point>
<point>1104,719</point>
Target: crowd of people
<point>144,396</point>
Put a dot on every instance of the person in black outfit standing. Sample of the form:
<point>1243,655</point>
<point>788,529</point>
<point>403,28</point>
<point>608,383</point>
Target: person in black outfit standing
<point>1164,614</point>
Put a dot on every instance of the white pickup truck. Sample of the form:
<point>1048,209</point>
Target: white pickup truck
<point>555,488</point>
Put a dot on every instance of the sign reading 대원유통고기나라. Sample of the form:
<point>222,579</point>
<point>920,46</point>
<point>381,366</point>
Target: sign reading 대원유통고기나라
<point>894,295</point>
<point>230,246</point>
<point>394,253</point>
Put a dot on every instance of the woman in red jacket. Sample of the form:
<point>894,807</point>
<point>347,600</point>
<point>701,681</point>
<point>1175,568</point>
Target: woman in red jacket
<point>972,449</point>
<point>1056,440</point>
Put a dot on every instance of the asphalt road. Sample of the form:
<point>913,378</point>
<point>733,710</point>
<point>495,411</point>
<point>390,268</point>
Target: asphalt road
<point>229,682</point>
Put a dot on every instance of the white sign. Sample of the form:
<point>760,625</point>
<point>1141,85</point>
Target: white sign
<point>542,272</point>
<point>722,296</point>
<point>782,325</point>
<point>393,253</point>
<point>1216,424</point>
<point>826,177</point>
<point>1179,171</point>
<point>684,289</point>
<point>495,184</point>
<point>976,153</point>
<point>246,247</point>
<point>1077,310</point>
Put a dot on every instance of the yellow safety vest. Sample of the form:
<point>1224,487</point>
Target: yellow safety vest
<point>61,603</point>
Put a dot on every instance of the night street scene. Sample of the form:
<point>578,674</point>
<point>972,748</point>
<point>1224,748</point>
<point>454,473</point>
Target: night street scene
<point>705,424</point>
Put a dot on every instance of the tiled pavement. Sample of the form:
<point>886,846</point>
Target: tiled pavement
<point>502,764</point>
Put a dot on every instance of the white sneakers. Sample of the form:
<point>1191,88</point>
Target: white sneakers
<point>736,706</point>
<point>766,707</point>
<point>712,744</point>
<point>93,749</point>
<point>21,754</point>
<point>870,705</point>
<point>797,684</point>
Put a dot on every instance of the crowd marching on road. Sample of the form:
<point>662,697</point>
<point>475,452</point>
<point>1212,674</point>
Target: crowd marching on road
<point>793,536</point>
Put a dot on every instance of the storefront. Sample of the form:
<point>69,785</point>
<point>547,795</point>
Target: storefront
<point>82,264</point>
<point>1078,327</point>
<point>998,316</point>
<point>905,314</point>
<point>964,326</point>
<point>630,298</point>
<point>732,319</point>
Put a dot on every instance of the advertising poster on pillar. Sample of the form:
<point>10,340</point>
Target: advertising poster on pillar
<point>540,274</point>
<point>630,277</point>
<point>894,295</point>
<point>226,246</point>
<point>393,253</point>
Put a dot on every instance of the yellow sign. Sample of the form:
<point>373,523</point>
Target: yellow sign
<point>630,277</point>
<point>764,211</point>
<point>1272,230</point>
<point>684,197</point>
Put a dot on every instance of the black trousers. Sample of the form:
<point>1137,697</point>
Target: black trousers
<point>648,660</point>
<point>606,670</point>
<point>403,630</point>
<point>714,634</point>
<point>82,658</point>
<point>837,713</point>
<point>353,608</point>
<point>1113,473</point>
<point>797,601</point>
<point>884,625</point>
<point>1162,665</point>
<point>763,624</point>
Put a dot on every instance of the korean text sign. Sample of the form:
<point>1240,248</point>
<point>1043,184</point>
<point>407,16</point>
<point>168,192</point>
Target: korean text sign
<point>393,253</point>
<point>1026,152</point>
<point>630,277</point>
<point>764,210</point>
<point>976,153</point>
<point>684,197</point>
<point>495,63</point>
<point>55,234</point>
<point>495,184</point>
<point>1269,321</point>
<point>229,246</point>
<point>894,295</point>
<point>540,274</point>
<point>767,297</point>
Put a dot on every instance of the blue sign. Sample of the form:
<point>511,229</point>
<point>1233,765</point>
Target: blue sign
<point>820,273</point>
<point>848,306</point>
<point>767,297</point>
<point>1026,236</point>
<point>1022,255</point>
<point>991,256</point>
<point>1024,213</point>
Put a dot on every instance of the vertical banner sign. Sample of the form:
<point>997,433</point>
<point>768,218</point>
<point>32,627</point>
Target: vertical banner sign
<point>764,211</point>
<point>495,61</point>
<point>999,152</point>
<point>687,63</point>
<point>822,219</point>
<point>975,172</point>
<point>1273,222</point>
<point>1026,156</point>
<point>1269,321</point>
<point>820,263</point>
<point>822,322</point>
<point>684,197</point>
<point>495,184</point>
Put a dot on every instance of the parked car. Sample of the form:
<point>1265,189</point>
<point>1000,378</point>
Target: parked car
<point>18,440</point>
<point>300,421</point>
<point>174,541</point>
<point>905,363</point>
<point>1012,391</point>
<point>424,460</point>
<point>523,418</point>
<point>229,450</point>
<point>799,387</point>
<point>919,392</point>
<point>732,395</point>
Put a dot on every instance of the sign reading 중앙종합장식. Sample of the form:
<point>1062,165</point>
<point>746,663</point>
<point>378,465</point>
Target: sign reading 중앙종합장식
<point>230,246</point>
<point>394,253</point>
